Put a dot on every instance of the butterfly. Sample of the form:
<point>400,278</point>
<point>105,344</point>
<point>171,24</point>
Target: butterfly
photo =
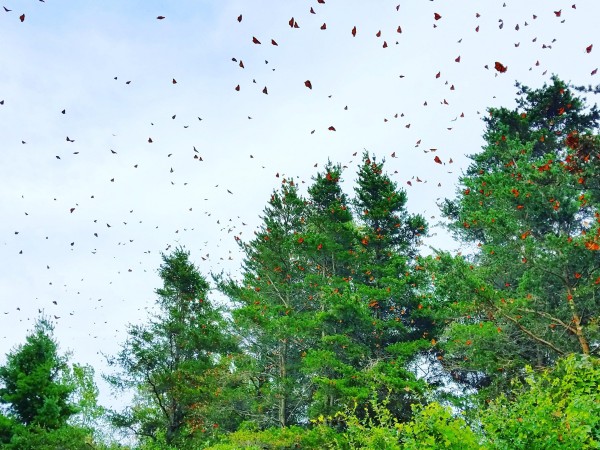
<point>239,19</point>
<point>256,41</point>
<point>500,67</point>
<point>437,160</point>
<point>354,31</point>
<point>160,17</point>
<point>308,84</point>
<point>436,16</point>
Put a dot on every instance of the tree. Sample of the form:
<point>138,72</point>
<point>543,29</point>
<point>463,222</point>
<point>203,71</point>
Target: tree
<point>176,361</point>
<point>39,395</point>
<point>529,206</point>
<point>33,387</point>
<point>390,280</point>
<point>339,348</point>
<point>272,311</point>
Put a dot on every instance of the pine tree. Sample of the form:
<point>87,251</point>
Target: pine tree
<point>339,351</point>
<point>389,280</point>
<point>33,385</point>
<point>529,205</point>
<point>176,361</point>
<point>272,313</point>
<point>37,390</point>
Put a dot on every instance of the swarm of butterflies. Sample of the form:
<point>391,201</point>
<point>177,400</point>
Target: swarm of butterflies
<point>297,22</point>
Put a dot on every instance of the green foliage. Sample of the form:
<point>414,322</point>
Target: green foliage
<point>49,404</point>
<point>435,427</point>
<point>177,362</point>
<point>32,383</point>
<point>287,438</point>
<point>558,409</point>
<point>529,202</point>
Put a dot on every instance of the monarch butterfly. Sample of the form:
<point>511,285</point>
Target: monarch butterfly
<point>500,67</point>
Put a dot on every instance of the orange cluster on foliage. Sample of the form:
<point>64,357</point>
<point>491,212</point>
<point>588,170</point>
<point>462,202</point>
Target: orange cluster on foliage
<point>591,245</point>
<point>572,140</point>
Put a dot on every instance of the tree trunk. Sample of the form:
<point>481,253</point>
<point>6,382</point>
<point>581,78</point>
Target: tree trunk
<point>282,376</point>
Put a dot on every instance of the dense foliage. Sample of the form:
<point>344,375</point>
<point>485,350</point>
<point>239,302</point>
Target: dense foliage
<point>336,303</point>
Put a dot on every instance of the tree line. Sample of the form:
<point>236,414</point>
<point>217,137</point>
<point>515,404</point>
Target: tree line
<point>336,302</point>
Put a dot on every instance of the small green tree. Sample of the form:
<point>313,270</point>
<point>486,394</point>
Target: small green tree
<point>33,385</point>
<point>39,395</point>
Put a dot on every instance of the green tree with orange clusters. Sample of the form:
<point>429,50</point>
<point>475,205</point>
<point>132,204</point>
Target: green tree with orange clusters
<point>528,213</point>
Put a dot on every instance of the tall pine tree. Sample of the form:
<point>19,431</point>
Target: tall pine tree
<point>176,362</point>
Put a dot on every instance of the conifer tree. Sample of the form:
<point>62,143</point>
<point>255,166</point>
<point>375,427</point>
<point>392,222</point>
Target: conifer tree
<point>339,351</point>
<point>529,205</point>
<point>176,361</point>
<point>38,395</point>
<point>272,312</point>
<point>390,280</point>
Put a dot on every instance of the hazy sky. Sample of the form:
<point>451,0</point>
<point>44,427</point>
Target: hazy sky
<point>123,77</point>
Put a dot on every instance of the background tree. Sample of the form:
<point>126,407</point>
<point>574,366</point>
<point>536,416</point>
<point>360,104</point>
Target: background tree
<point>38,395</point>
<point>176,362</point>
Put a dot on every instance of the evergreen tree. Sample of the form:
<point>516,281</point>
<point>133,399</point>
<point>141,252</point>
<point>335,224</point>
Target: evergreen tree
<point>37,391</point>
<point>389,280</point>
<point>339,351</point>
<point>529,205</point>
<point>272,312</point>
<point>33,386</point>
<point>176,362</point>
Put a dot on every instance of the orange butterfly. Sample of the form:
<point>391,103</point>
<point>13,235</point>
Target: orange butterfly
<point>500,67</point>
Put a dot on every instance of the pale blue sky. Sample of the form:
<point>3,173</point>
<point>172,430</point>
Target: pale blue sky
<point>66,54</point>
